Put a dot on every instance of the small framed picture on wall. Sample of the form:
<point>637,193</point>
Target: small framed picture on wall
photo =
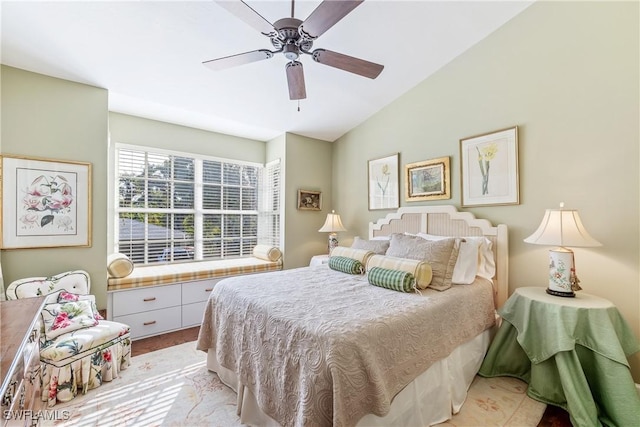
<point>309,200</point>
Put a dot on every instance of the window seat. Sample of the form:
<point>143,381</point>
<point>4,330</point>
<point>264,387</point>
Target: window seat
<point>154,275</point>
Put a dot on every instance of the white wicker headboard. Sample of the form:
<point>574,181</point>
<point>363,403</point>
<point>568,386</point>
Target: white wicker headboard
<point>446,220</point>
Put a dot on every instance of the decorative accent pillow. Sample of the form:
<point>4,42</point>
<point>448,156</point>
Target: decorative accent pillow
<point>119,265</point>
<point>267,253</point>
<point>440,254</point>
<point>66,317</point>
<point>64,296</point>
<point>395,280</point>
<point>346,265</point>
<point>474,248</point>
<point>376,246</point>
<point>421,270</point>
<point>361,255</point>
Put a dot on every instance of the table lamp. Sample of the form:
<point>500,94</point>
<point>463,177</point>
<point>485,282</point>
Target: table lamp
<point>562,228</point>
<point>331,226</point>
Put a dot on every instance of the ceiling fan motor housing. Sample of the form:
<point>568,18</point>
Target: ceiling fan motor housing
<point>289,39</point>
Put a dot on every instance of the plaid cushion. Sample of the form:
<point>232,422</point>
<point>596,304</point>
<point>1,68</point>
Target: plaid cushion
<point>396,280</point>
<point>346,265</point>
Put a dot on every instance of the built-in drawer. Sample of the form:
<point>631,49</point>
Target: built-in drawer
<point>152,322</point>
<point>197,291</point>
<point>145,299</point>
<point>192,314</point>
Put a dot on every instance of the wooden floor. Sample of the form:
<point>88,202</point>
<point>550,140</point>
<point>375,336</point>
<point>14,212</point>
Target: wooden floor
<point>553,416</point>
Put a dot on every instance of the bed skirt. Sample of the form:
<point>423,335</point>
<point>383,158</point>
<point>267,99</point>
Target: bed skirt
<point>432,398</point>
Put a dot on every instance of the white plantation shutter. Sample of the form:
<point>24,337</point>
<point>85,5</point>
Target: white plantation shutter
<point>176,207</point>
<point>270,204</point>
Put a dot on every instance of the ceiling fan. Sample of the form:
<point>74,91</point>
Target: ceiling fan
<point>293,37</point>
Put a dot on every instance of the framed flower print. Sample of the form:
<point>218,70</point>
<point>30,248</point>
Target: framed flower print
<point>45,203</point>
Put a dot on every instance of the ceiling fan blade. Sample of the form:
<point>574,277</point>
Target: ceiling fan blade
<point>325,16</point>
<point>347,63</point>
<point>247,14</point>
<point>295,80</point>
<point>239,59</point>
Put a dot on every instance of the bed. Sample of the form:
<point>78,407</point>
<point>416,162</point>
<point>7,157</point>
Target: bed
<point>316,346</point>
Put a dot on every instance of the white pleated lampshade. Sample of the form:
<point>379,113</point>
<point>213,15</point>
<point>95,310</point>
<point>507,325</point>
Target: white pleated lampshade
<point>562,227</point>
<point>332,224</point>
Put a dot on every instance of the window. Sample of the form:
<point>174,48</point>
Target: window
<point>177,207</point>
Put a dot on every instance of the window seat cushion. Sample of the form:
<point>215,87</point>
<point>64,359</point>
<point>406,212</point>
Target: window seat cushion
<point>154,275</point>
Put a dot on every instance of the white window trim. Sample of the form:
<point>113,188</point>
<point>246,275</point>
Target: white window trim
<point>113,195</point>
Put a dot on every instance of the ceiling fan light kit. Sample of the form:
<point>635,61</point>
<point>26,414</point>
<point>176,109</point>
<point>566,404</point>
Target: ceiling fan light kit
<point>293,37</point>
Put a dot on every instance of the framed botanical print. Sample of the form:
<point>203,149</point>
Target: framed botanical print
<point>489,168</point>
<point>383,187</point>
<point>45,203</point>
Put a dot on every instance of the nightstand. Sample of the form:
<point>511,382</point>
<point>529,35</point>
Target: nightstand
<point>571,351</point>
<point>319,260</point>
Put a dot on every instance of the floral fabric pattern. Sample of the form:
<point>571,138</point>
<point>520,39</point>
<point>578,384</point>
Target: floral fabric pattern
<point>82,360</point>
<point>60,318</point>
<point>65,296</point>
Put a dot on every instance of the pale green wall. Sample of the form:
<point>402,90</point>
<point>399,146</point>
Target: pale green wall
<point>139,131</point>
<point>58,119</point>
<point>568,75</point>
<point>308,168</point>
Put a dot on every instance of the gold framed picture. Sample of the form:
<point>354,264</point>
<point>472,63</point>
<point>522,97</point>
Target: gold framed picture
<point>428,180</point>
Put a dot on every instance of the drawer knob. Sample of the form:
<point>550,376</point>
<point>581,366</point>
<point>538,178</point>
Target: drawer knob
<point>149,299</point>
<point>208,289</point>
<point>153,322</point>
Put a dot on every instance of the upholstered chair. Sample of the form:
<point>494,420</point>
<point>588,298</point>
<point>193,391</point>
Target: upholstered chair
<point>78,348</point>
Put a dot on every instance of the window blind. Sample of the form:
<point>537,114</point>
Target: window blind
<point>177,207</point>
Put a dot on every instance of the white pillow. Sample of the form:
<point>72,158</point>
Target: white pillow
<point>267,253</point>
<point>487,265</point>
<point>119,265</point>
<point>466,268</point>
<point>475,258</point>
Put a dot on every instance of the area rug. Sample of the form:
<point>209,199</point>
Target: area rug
<point>172,387</point>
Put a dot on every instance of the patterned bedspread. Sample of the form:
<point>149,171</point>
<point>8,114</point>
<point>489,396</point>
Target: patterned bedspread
<point>319,347</point>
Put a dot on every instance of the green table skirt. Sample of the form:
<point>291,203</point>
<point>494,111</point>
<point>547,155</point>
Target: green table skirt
<point>594,389</point>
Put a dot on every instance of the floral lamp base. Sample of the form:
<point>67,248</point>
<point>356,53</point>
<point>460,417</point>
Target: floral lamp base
<point>562,273</point>
<point>333,241</point>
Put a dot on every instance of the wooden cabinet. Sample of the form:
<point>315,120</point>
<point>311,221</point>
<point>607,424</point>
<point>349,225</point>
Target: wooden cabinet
<point>152,310</point>
<point>20,361</point>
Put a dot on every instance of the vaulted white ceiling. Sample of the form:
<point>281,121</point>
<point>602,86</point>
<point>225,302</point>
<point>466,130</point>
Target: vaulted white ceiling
<point>149,55</point>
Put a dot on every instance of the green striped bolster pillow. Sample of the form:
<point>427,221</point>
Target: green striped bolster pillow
<point>346,265</point>
<point>421,270</point>
<point>396,280</point>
